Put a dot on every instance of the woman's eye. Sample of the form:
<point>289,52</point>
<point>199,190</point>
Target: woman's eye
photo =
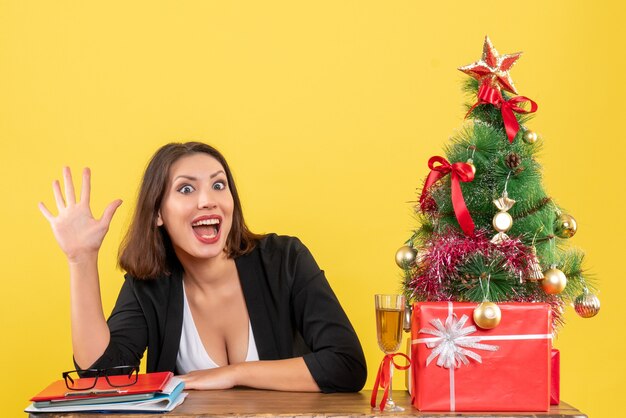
<point>219,185</point>
<point>186,189</point>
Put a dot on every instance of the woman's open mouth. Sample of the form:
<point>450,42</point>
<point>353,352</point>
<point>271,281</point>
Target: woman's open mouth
<point>207,228</point>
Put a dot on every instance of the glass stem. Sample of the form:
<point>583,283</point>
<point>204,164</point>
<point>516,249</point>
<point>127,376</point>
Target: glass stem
<point>390,398</point>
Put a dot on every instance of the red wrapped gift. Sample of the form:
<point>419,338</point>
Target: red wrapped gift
<point>555,378</point>
<point>460,367</point>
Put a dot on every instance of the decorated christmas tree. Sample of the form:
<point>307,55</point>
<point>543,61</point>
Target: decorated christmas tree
<point>487,229</point>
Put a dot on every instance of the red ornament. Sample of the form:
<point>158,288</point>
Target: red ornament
<point>493,68</point>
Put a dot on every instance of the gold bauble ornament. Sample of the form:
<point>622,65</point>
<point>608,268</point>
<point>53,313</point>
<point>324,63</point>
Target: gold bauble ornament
<point>487,315</point>
<point>470,162</point>
<point>554,281</point>
<point>502,221</point>
<point>587,305</point>
<point>566,226</point>
<point>405,256</point>
<point>530,137</point>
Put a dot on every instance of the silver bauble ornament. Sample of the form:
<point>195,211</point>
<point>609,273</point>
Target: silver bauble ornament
<point>487,315</point>
<point>405,256</point>
<point>587,305</point>
<point>502,221</point>
<point>408,311</point>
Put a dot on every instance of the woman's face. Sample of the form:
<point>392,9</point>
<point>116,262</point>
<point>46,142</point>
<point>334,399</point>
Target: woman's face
<point>197,208</point>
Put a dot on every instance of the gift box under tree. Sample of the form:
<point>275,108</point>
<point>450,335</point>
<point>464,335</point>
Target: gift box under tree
<point>457,366</point>
<point>555,374</point>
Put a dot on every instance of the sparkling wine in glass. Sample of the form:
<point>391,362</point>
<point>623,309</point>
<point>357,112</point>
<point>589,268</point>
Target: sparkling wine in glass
<point>389,317</point>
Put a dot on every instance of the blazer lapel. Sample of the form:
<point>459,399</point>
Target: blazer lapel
<point>173,324</point>
<point>251,276</point>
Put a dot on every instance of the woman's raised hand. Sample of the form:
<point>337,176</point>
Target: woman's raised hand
<point>78,233</point>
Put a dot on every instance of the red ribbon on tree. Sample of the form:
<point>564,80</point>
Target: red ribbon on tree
<point>458,172</point>
<point>489,94</point>
<point>383,377</point>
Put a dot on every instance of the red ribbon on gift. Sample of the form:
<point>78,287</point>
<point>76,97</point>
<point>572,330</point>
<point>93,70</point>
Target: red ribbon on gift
<point>458,172</point>
<point>490,95</point>
<point>383,378</point>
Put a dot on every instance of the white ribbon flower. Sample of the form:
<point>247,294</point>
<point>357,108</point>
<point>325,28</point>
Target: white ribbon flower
<point>451,342</point>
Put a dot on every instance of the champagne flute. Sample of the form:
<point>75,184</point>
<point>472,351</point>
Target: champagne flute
<point>389,317</point>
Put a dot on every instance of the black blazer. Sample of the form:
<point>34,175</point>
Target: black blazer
<point>293,312</point>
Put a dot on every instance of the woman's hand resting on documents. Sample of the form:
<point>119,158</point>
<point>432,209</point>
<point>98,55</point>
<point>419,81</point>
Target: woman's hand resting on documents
<point>286,374</point>
<point>218,378</point>
<point>78,233</point>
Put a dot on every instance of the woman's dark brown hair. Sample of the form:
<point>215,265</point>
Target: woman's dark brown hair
<point>146,251</point>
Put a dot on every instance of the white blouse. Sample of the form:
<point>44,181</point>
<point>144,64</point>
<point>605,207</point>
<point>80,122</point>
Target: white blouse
<point>191,352</point>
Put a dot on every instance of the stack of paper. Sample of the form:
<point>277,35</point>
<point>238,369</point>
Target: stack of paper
<point>153,392</point>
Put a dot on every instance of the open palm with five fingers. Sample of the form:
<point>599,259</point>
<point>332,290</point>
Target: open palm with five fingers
<point>76,230</point>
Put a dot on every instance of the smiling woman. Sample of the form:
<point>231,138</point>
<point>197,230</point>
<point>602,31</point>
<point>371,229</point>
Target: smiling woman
<point>145,250</point>
<point>208,298</point>
<point>197,209</point>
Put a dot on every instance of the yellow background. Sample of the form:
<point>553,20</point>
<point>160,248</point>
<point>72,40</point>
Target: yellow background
<point>328,112</point>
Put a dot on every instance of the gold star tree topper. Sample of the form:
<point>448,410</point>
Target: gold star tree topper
<point>493,68</point>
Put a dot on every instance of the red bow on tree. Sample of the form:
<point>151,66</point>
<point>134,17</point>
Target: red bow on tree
<point>458,172</point>
<point>383,377</point>
<point>489,94</point>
